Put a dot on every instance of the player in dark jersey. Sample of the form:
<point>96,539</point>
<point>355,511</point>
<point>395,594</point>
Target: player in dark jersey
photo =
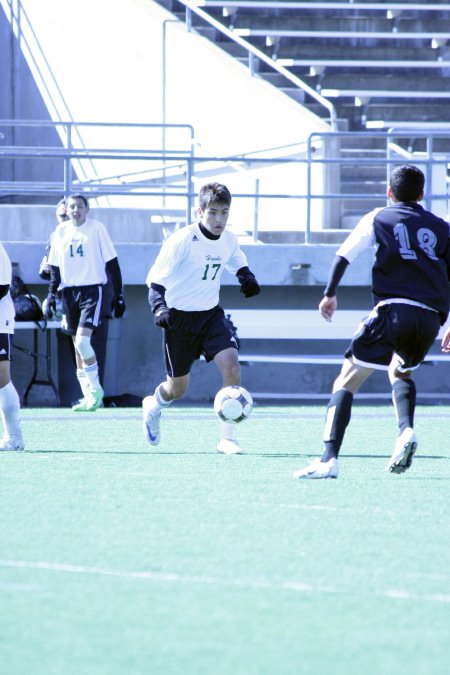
<point>410,287</point>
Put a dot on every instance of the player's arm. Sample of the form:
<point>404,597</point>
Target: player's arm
<point>55,280</point>
<point>158,305</point>
<point>445,343</point>
<point>44,268</point>
<point>360,239</point>
<point>249,285</point>
<point>328,304</point>
<point>117,303</point>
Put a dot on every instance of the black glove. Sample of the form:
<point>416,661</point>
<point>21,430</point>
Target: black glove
<point>249,285</point>
<point>118,306</point>
<point>162,317</point>
<point>50,309</point>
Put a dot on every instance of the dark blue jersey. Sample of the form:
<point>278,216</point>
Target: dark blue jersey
<point>412,258</point>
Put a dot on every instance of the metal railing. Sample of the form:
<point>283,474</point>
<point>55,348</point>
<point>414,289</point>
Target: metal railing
<point>310,194</point>
<point>77,160</point>
<point>255,54</point>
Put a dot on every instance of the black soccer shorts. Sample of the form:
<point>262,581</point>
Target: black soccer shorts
<point>396,328</point>
<point>193,334</point>
<point>81,307</point>
<point>5,347</point>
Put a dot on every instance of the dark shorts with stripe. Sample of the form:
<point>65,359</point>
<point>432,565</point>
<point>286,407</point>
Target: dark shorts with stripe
<point>193,334</point>
<point>397,328</point>
<point>5,346</point>
<point>81,307</point>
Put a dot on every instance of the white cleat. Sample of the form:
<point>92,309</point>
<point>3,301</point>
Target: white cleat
<point>319,469</point>
<point>405,447</point>
<point>150,423</point>
<point>15,444</point>
<point>228,447</point>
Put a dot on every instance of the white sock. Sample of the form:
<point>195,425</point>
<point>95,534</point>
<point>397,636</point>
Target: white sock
<point>91,373</point>
<point>10,412</point>
<point>158,402</point>
<point>83,382</point>
<point>227,430</point>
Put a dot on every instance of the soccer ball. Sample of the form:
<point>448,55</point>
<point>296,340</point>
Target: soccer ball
<point>233,404</point>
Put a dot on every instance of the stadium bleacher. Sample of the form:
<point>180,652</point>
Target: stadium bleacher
<point>348,46</point>
<point>382,65</point>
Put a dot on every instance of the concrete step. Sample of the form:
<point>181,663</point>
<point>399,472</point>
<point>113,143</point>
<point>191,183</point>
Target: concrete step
<point>406,112</point>
<point>341,23</point>
<point>384,82</point>
<point>304,49</point>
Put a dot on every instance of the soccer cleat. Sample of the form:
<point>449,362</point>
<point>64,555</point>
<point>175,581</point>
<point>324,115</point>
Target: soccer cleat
<point>15,444</point>
<point>228,447</point>
<point>80,406</point>
<point>319,469</point>
<point>151,421</point>
<point>405,447</point>
<point>94,399</point>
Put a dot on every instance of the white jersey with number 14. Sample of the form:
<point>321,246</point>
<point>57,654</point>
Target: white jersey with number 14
<point>81,253</point>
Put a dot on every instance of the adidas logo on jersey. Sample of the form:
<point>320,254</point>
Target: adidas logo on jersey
<point>195,238</point>
<point>2,351</point>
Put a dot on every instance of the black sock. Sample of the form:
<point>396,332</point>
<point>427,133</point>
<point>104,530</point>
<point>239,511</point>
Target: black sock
<point>338,416</point>
<point>404,398</point>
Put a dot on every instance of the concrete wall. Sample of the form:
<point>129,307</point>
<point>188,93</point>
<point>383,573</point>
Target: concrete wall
<point>140,364</point>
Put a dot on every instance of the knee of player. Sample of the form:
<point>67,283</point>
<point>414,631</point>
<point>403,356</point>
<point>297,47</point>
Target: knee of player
<point>84,347</point>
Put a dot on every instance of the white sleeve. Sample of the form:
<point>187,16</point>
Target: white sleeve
<point>237,260</point>
<point>360,239</point>
<point>5,267</point>
<point>169,257</point>
<point>106,245</point>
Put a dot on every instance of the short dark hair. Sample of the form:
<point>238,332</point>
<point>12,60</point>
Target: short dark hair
<point>79,196</point>
<point>213,192</point>
<point>407,183</point>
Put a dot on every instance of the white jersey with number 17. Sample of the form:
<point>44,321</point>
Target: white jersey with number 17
<point>189,266</point>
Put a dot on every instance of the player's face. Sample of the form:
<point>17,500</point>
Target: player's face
<point>61,213</point>
<point>77,211</point>
<point>215,217</point>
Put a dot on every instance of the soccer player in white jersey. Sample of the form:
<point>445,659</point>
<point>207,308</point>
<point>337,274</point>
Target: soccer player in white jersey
<point>184,285</point>
<point>80,256</point>
<point>9,399</point>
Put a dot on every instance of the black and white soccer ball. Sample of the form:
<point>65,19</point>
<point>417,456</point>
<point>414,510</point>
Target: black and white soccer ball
<point>233,404</point>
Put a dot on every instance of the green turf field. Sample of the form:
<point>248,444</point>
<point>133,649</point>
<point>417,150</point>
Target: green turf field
<point>119,559</point>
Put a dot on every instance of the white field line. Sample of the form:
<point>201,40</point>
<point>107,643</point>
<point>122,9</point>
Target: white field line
<point>298,586</point>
